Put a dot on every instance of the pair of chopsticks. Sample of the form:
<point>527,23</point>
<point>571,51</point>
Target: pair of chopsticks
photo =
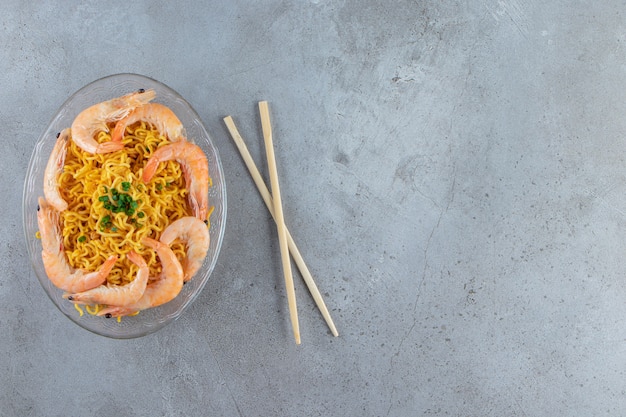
<point>274,205</point>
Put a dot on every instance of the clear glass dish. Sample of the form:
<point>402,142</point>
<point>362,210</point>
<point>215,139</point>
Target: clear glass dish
<point>150,320</point>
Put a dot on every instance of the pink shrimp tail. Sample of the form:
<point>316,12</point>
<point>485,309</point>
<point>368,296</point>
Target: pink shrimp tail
<point>118,132</point>
<point>151,243</point>
<point>149,170</point>
<point>135,258</point>
<point>108,147</point>
<point>107,266</point>
<point>100,278</point>
<point>162,154</point>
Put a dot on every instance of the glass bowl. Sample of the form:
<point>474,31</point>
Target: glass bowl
<point>153,319</point>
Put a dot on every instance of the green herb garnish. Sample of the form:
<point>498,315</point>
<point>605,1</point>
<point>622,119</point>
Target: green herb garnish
<point>118,202</point>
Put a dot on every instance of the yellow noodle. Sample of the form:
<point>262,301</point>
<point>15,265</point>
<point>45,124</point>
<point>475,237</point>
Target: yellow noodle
<point>93,310</point>
<point>88,238</point>
<point>211,209</point>
<point>80,310</point>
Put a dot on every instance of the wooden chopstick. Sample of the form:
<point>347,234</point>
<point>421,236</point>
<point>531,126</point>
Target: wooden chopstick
<point>267,198</point>
<point>279,219</point>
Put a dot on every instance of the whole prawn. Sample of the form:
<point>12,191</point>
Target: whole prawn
<point>162,117</point>
<point>60,273</point>
<point>95,119</point>
<point>117,295</point>
<point>195,168</point>
<point>164,289</point>
<point>195,235</point>
<point>53,168</point>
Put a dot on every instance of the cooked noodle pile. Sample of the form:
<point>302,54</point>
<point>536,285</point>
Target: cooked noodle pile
<point>111,209</point>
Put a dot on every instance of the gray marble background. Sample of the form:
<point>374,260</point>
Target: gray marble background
<point>453,173</point>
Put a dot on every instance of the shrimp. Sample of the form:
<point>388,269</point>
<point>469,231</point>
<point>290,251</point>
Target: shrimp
<point>164,289</point>
<point>195,235</point>
<point>95,119</point>
<point>117,295</point>
<point>162,117</point>
<point>60,273</point>
<point>53,169</point>
<point>195,167</point>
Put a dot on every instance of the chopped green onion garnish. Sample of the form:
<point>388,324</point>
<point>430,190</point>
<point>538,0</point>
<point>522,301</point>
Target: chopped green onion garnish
<point>81,239</point>
<point>121,202</point>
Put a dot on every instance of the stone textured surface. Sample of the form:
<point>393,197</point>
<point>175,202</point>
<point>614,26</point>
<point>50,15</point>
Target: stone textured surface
<point>453,173</point>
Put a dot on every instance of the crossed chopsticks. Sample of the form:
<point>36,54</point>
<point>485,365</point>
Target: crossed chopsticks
<point>274,205</point>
